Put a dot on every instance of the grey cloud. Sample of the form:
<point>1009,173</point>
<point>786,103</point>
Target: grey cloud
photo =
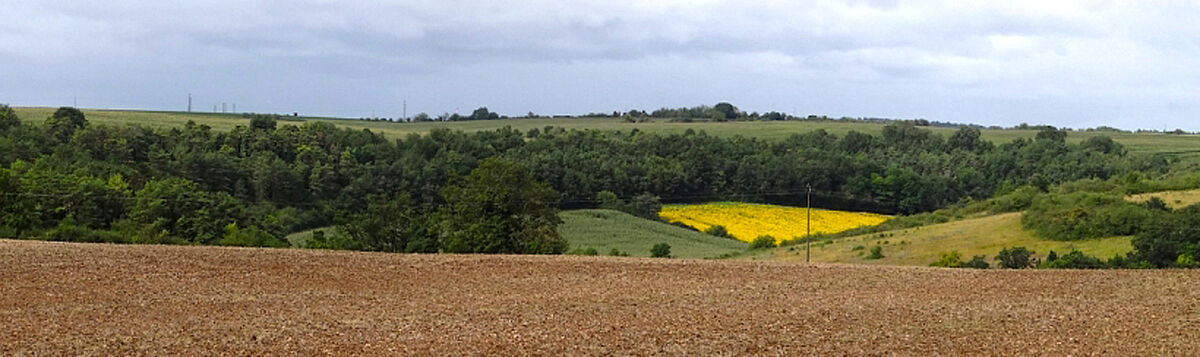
<point>996,62</point>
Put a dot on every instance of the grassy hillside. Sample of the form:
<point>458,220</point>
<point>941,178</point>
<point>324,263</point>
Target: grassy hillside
<point>1182,145</point>
<point>605,230</point>
<point>297,239</point>
<point>1174,199</point>
<point>923,245</point>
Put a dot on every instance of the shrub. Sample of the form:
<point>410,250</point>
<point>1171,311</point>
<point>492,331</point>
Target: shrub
<point>1084,215</point>
<point>977,262</point>
<point>610,201</point>
<point>263,122</point>
<point>876,253</point>
<point>661,250</point>
<point>335,240</point>
<point>68,231</point>
<point>8,117</point>
<point>617,253</point>
<point>763,241</point>
<point>1074,260</point>
<point>249,237</point>
<point>581,251</point>
<point>1156,204</point>
<point>719,231</point>
<point>1015,258</point>
<point>684,226</point>
<point>948,260</point>
<point>1185,261</point>
<point>1161,245</point>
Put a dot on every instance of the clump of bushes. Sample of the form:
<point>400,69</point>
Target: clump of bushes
<point>948,260</point>
<point>617,253</point>
<point>719,231</point>
<point>1073,260</point>
<point>1016,258</point>
<point>644,205</point>
<point>954,260</point>
<point>977,262</point>
<point>660,250</point>
<point>1082,215</point>
<point>582,251</point>
<point>876,253</point>
<point>763,242</point>
<point>249,237</point>
<point>335,240</point>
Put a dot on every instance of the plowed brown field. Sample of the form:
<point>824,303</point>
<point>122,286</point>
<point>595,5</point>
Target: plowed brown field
<point>58,298</point>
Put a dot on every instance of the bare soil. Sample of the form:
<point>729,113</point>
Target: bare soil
<point>99,299</point>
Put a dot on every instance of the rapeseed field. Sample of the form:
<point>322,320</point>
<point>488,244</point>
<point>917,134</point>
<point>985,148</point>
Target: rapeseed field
<point>746,221</point>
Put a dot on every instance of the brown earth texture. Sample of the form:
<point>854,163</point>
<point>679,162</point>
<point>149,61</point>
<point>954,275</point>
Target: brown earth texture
<point>100,299</point>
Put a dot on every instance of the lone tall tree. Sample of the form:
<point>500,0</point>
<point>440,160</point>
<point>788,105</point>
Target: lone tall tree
<point>726,109</point>
<point>64,122</point>
<point>501,208</point>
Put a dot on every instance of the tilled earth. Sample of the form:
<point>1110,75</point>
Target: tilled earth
<point>99,299</point>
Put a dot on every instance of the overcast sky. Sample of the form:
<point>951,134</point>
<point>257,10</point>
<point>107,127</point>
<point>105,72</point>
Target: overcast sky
<point>1128,64</point>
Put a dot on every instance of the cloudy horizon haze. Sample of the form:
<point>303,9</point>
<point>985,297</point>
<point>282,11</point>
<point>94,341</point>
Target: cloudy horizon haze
<point>1125,64</point>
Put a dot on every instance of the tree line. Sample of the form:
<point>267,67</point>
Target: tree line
<point>491,191</point>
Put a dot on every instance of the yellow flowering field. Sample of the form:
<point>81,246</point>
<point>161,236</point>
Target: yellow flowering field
<point>746,221</point>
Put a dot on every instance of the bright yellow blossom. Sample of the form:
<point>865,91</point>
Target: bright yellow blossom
<point>747,221</point>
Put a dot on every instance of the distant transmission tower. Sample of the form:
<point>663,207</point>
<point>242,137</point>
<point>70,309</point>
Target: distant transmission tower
<point>189,102</point>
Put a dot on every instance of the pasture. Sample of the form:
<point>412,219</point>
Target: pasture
<point>606,230</point>
<point>1175,145</point>
<point>1174,199</point>
<point>104,299</point>
<point>920,246</point>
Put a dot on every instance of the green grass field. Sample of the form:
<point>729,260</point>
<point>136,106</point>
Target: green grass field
<point>923,245</point>
<point>297,239</point>
<point>1180,145</point>
<point>1173,199</point>
<point>606,230</point>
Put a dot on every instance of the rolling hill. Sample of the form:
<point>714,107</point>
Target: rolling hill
<point>1174,199</point>
<point>1178,145</point>
<point>923,245</point>
<point>606,230</point>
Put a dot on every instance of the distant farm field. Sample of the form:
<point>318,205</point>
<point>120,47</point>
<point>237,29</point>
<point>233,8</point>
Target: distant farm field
<point>747,221</point>
<point>923,245</point>
<point>1173,199</point>
<point>605,230</point>
<point>1176,145</point>
<point>102,299</point>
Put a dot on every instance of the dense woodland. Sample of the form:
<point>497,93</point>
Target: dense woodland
<point>488,192</point>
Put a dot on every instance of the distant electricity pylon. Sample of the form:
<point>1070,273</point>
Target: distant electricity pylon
<point>189,102</point>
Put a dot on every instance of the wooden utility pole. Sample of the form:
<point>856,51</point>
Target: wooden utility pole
<point>808,225</point>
